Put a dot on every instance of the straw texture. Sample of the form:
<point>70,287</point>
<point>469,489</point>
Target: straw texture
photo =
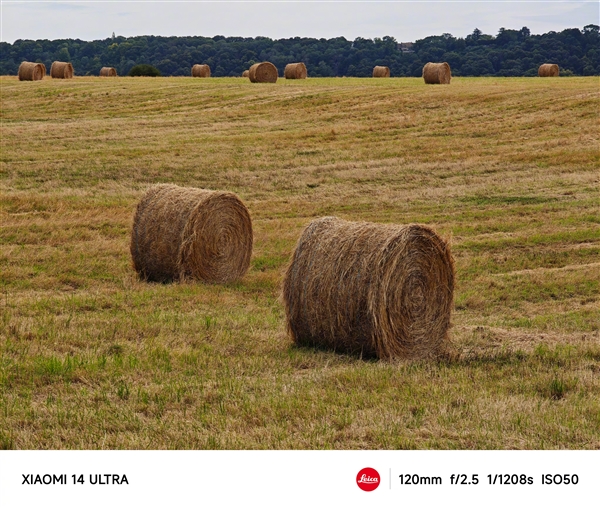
<point>30,71</point>
<point>61,70</point>
<point>264,72</point>
<point>548,70</point>
<point>295,71</point>
<point>108,72</point>
<point>199,70</point>
<point>380,71</point>
<point>371,289</point>
<point>437,73</point>
<point>181,233</point>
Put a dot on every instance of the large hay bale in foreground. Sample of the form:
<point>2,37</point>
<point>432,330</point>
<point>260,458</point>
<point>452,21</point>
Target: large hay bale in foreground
<point>246,73</point>
<point>548,70</point>
<point>437,73</point>
<point>108,72</point>
<point>31,71</point>
<point>61,70</point>
<point>295,71</point>
<point>264,72</point>
<point>370,289</point>
<point>380,71</point>
<point>181,233</point>
<point>199,70</point>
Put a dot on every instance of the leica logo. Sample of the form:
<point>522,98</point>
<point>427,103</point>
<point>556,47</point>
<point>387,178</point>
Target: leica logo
<point>368,479</point>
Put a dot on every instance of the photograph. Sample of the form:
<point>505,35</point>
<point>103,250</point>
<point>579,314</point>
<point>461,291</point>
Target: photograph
<point>352,228</point>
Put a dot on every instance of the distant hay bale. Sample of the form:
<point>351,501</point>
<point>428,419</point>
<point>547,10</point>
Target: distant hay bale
<point>264,72</point>
<point>180,233</point>
<point>108,72</point>
<point>199,70</point>
<point>380,71</point>
<point>437,73</point>
<point>61,70</point>
<point>246,73</point>
<point>548,70</point>
<point>295,71</point>
<point>370,289</point>
<point>30,71</point>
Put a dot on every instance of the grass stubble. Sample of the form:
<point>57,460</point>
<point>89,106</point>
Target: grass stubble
<point>91,357</point>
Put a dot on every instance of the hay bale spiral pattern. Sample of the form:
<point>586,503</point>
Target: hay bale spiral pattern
<point>548,70</point>
<point>61,70</point>
<point>295,71</point>
<point>30,71</point>
<point>437,73</point>
<point>371,289</point>
<point>108,72</point>
<point>380,71</point>
<point>264,72</point>
<point>199,70</point>
<point>180,233</point>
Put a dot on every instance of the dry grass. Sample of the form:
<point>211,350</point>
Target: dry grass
<point>91,357</point>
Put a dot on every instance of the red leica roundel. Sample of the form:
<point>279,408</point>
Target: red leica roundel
<point>368,479</point>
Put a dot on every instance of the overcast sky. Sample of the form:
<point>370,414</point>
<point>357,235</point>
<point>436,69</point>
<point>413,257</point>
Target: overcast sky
<point>404,20</point>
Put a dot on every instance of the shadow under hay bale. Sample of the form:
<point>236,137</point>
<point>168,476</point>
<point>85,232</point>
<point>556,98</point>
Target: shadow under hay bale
<point>264,72</point>
<point>31,71</point>
<point>199,70</point>
<point>108,72</point>
<point>371,289</point>
<point>295,71</point>
<point>437,73</point>
<point>61,70</point>
<point>380,71</point>
<point>180,233</point>
<point>548,70</point>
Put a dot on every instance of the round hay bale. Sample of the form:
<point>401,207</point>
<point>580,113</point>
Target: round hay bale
<point>108,72</point>
<point>200,70</point>
<point>548,70</point>
<point>295,71</point>
<point>264,72</point>
<point>246,73</point>
<point>180,233</point>
<point>370,289</point>
<point>61,70</point>
<point>437,73</point>
<point>31,71</point>
<point>380,71</point>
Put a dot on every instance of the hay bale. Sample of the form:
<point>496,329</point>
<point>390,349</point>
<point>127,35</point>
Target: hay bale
<point>246,73</point>
<point>370,289</point>
<point>181,233</point>
<point>108,72</point>
<point>200,70</point>
<point>437,73</point>
<point>548,70</point>
<point>264,72</point>
<point>380,71</point>
<point>61,70</point>
<point>295,71</point>
<point>31,71</point>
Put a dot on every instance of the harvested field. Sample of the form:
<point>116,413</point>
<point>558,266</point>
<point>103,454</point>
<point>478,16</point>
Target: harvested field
<point>93,357</point>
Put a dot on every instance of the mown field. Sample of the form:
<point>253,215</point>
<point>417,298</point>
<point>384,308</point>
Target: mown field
<point>93,358</point>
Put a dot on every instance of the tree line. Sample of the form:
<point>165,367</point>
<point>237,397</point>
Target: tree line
<point>508,53</point>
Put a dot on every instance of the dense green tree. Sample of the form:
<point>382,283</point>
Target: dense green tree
<point>509,53</point>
